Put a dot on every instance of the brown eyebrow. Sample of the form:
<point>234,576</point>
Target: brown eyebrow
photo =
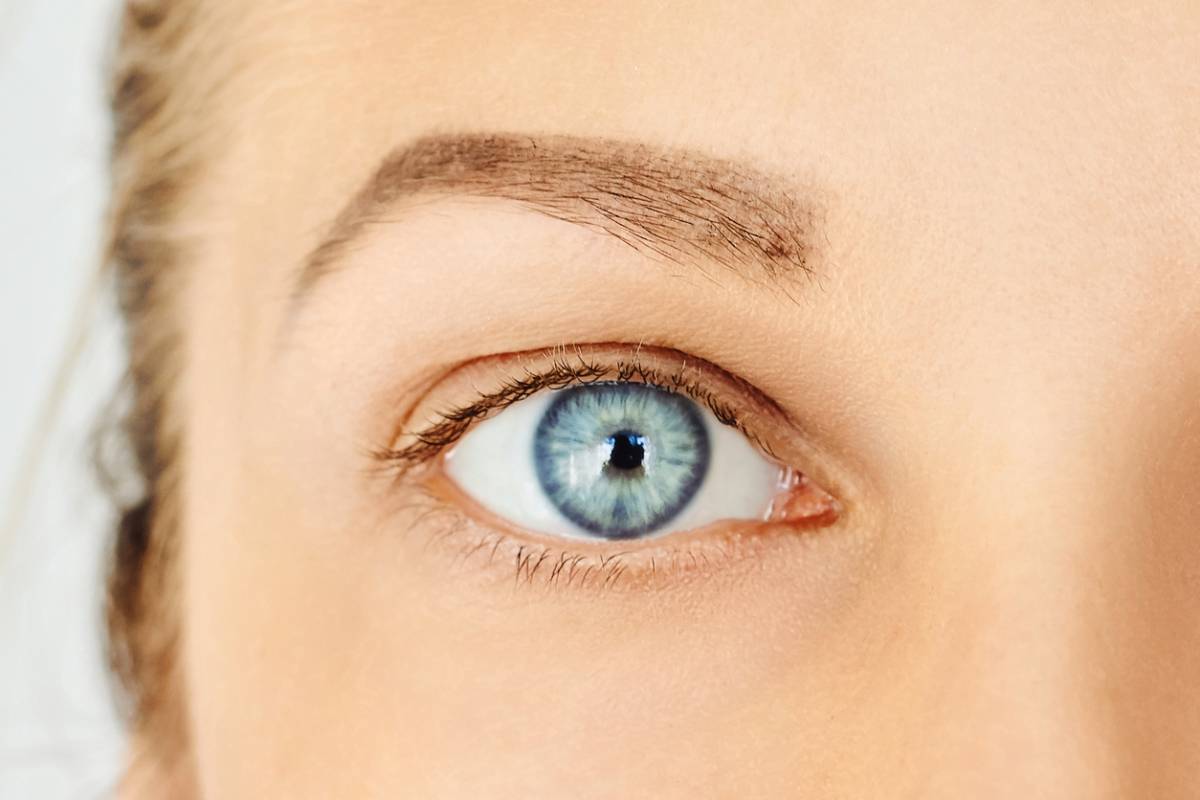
<point>674,204</point>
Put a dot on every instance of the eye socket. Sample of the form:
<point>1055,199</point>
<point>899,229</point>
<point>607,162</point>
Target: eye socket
<point>613,460</point>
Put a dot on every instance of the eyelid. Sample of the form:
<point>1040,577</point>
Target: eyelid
<point>479,541</point>
<point>733,401</point>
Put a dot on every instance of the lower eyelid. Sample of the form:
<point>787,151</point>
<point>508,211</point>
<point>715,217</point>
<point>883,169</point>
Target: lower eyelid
<point>482,545</point>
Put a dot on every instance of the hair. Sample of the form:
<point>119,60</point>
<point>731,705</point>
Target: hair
<point>156,100</point>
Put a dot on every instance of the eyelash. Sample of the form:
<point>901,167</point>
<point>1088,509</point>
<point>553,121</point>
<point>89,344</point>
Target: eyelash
<point>451,425</point>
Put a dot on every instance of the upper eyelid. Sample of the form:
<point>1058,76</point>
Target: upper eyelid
<point>635,364</point>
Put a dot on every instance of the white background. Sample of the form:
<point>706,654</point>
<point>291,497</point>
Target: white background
<point>59,737</point>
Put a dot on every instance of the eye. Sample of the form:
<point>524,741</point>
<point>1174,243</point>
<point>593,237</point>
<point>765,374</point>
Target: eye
<point>613,460</point>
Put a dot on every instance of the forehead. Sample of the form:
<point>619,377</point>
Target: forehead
<point>958,146</point>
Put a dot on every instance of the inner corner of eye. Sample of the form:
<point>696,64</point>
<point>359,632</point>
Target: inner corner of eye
<point>617,461</point>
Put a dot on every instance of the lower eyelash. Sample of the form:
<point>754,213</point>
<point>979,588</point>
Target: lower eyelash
<point>493,552</point>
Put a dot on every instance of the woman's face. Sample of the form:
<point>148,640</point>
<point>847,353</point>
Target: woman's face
<point>941,260</point>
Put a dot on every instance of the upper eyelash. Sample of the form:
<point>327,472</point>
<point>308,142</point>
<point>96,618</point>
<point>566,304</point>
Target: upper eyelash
<point>561,373</point>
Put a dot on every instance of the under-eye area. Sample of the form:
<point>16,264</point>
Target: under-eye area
<point>597,462</point>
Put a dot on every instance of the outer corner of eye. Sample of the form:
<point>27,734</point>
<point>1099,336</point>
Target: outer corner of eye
<point>621,461</point>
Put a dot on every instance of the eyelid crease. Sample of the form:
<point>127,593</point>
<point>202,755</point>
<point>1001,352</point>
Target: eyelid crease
<point>571,367</point>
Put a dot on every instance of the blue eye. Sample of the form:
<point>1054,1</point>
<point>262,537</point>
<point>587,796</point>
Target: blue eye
<point>612,461</point>
<point>620,459</point>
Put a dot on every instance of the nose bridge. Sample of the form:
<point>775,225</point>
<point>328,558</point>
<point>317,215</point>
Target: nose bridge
<point>1020,669</point>
<point>1032,616</point>
<point>1021,676</point>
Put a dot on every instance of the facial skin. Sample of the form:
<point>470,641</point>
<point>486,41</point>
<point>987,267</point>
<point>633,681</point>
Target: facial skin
<point>993,368</point>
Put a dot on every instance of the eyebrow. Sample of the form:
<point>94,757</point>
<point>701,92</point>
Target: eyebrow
<point>677,205</point>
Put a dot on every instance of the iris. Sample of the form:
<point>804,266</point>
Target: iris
<point>620,459</point>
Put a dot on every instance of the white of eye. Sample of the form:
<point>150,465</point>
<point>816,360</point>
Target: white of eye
<point>494,465</point>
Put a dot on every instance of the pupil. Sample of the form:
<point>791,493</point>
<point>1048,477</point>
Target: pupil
<point>628,450</point>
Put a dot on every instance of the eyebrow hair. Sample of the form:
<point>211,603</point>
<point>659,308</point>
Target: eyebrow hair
<point>675,204</point>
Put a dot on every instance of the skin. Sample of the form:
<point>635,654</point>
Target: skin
<point>994,369</point>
